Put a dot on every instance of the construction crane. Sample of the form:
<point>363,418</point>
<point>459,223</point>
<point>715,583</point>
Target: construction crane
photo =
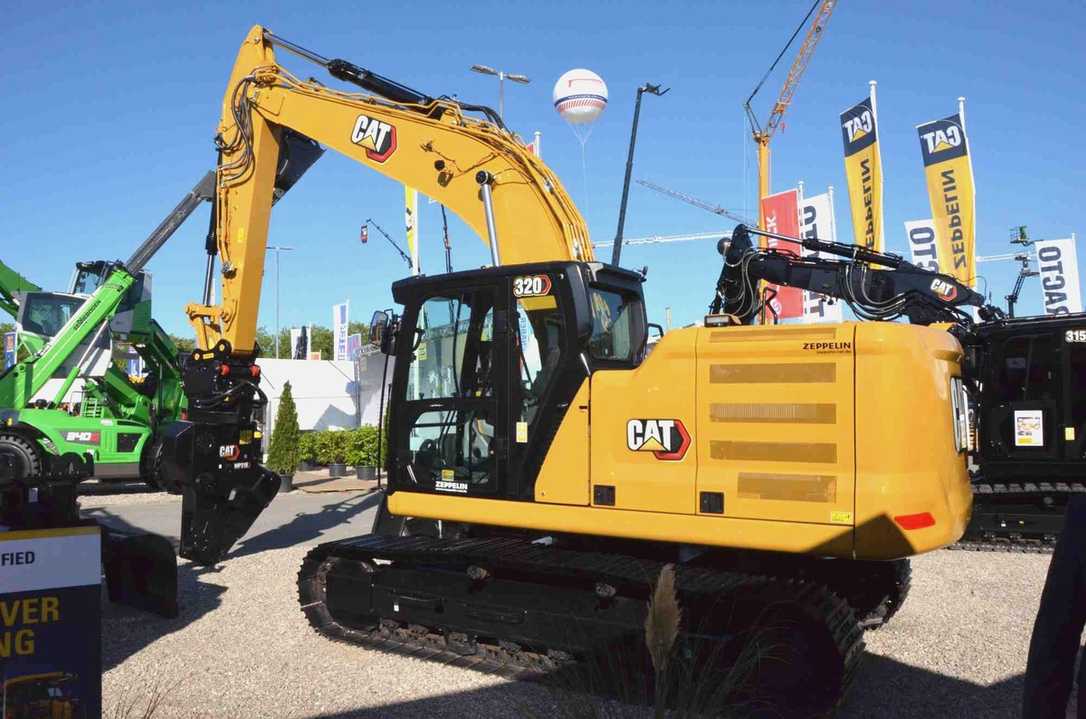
<point>821,10</point>
<point>691,200</point>
<point>364,234</point>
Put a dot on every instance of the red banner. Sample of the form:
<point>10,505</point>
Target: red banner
<point>781,212</point>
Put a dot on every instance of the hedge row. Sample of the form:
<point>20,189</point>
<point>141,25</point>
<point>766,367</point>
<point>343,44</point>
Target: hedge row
<point>357,447</point>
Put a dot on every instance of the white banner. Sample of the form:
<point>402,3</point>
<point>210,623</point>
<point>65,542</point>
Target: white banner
<point>923,247</point>
<point>816,220</point>
<point>1057,261</point>
<point>49,559</point>
<point>340,314</point>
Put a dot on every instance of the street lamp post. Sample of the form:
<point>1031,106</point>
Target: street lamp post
<point>278,249</point>
<point>616,251</point>
<point>502,77</point>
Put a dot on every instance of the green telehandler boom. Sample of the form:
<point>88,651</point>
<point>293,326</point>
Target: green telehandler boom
<point>68,412</point>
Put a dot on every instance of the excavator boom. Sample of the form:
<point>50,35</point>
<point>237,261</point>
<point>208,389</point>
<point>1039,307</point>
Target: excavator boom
<point>426,143</point>
<point>272,128</point>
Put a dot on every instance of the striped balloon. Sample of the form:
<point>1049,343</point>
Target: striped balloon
<point>580,96</point>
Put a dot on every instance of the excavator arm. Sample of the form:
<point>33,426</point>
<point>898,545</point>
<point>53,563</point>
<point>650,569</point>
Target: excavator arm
<point>268,118</point>
<point>876,285</point>
<point>273,127</point>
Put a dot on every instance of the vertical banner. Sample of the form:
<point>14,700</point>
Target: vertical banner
<point>863,168</point>
<point>354,347</point>
<point>1057,261</point>
<point>923,248</point>
<point>816,220</point>
<point>340,314</point>
<point>299,342</point>
<point>9,349</point>
<point>781,212</point>
<point>949,173</point>
<point>411,225</point>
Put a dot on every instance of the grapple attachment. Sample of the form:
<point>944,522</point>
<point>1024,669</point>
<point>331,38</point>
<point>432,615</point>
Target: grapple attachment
<point>213,458</point>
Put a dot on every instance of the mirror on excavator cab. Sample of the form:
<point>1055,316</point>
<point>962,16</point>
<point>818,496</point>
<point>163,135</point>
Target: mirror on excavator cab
<point>383,326</point>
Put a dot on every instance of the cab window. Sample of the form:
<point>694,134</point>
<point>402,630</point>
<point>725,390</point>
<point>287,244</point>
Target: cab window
<point>44,314</point>
<point>539,336</point>
<point>618,326</point>
<point>454,342</point>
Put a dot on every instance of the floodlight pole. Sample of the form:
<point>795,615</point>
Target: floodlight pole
<point>616,250</point>
<point>502,77</point>
<point>278,249</point>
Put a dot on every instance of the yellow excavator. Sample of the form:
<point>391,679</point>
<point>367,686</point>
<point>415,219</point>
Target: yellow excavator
<point>543,467</point>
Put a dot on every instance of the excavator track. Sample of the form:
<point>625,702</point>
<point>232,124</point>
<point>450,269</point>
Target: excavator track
<point>529,611</point>
<point>1017,516</point>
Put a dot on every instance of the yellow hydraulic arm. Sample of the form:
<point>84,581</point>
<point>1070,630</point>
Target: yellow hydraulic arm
<point>427,143</point>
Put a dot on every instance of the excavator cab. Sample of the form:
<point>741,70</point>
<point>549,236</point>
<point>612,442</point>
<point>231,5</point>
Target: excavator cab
<point>488,362</point>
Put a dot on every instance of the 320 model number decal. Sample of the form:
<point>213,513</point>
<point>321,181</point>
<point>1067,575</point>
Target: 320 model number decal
<point>531,286</point>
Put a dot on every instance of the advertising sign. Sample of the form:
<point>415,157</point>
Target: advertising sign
<point>9,349</point>
<point>781,212</point>
<point>1057,261</point>
<point>945,151</point>
<point>50,623</point>
<point>863,168</point>
<point>816,220</point>
<point>923,249</point>
<point>354,347</point>
<point>340,314</point>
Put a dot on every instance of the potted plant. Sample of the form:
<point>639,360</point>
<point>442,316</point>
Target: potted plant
<point>363,452</point>
<point>283,450</point>
<point>307,451</point>
<point>332,450</point>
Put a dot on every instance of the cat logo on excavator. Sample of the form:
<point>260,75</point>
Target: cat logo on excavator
<point>376,137</point>
<point>666,438</point>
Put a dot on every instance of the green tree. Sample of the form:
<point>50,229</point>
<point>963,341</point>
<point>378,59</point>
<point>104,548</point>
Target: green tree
<point>184,344</point>
<point>6,327</point>
<point>320,341</point>
<point>283,453</point>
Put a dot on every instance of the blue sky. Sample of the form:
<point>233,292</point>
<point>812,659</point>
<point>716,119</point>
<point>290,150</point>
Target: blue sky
<point>110,109</point>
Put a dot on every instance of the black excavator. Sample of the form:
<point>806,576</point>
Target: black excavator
<point>1026,376</point>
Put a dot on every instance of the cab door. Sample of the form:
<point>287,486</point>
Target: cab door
<point>450,434</point>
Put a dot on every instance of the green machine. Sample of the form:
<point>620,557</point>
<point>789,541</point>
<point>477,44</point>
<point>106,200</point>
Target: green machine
<point>78,399</point>
<point>67,408</point>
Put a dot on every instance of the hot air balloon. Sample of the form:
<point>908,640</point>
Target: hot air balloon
<point>580,96</point>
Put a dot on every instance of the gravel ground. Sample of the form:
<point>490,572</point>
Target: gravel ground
<point>242,648</point>
<point>96,501</point>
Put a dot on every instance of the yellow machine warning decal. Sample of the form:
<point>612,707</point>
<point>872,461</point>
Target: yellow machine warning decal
<point>448,475</point>
<point>841,517</point>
